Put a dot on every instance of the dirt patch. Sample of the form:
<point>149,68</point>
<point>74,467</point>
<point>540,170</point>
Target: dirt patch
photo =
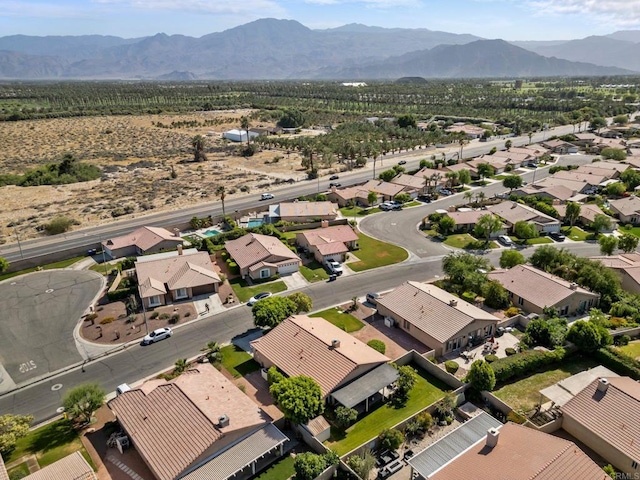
<point>138,157</point>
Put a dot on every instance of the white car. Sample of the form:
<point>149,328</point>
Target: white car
<point>334,267</point>
<point>505,240</point>
<point>267,196</point>
<point>259,296</point>
<point>157,335</point>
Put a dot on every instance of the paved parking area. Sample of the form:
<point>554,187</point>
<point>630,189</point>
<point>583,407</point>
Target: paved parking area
<point>39,313</point>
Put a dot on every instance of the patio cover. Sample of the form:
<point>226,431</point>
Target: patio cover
<point>438,454</point>
<point>240,455</point>
<point>563,391</point>
<point>365,386</point>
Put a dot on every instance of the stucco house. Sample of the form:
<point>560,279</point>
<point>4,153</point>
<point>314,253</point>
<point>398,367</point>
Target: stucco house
<point>141,241</point>
<point>164,278</point>
<point>466,220</point>
<point>559,146</point>
<point>236,135</point>
<point>627,209</point>
<point>435,317</point>
<point>302,212</point>
<point>514,212</point>
<point>532,290</point>
<point>627,266</point>
<point>328,243</point>
<point>262,256</point>
<point>588,213</point>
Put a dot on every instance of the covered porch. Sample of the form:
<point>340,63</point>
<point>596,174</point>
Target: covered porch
<point>370,388</point>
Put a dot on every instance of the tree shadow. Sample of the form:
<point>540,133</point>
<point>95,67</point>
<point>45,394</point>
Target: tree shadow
<point>52,436</point>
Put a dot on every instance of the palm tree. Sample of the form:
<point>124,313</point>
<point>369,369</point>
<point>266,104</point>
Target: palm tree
<point>480,197</point>
<point>222,193</point>
<point>212,351</point>
<point>462,142</point>
<point>198,143</point>
<point>468,195</point>
<point>245,125</point>
<point>488,224</point>
<point>530,134</point>
<point>180,366</point>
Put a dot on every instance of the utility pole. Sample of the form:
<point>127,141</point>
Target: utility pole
<point>15,230</point>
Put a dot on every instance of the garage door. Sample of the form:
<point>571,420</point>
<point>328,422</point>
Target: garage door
<point>336,256</point>
<point>288,268</point>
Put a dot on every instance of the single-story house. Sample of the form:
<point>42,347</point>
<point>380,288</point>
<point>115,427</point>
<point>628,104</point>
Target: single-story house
<point>535,151</point>
<point>516,158</point>
<point>561,392</point>
<point>608,133</point>
<point>435,317</point>
<point>265,130</point>
<point>141,241</point>
<point>601,143</point>
<point>71,467</point>
<point>262,256</point>
<point>470,131</point>
<point>466,220</point>
<point>456,167</point>
<point>344,197</point>
<point>604,169</point>
<point>633,161</point>
<point>302,212</point>
<point>557,193</point>
<point>627,209</point>
<point>560,146</point>
<point>164,278</point>
<point>585,139</point>
<point>328,243</point>
<point>236,135</point>
<point>513,212</point>
<point>575,185</point>
<point>198,425</point>
<point>387,190</point>
<point>532,290</point>
<point>604,417</point>
<point>315,348</point>
<point>627,266</point>
<point>500,451</point>
<point>592,181</point>
<point>588,212</point>
<point>413,183</point>
<point>499,164</point>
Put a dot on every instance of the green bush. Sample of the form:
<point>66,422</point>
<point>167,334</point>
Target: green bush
<point>59,225</point>
<point>510,351</point>
<point>491,358</point>
<point>469,297</point>
<point>121,293</point>
<point>164,316</point>
<point>451,366</point>
<point>525,362</point>
<point>377,345</point>
<point>619,362</point>
<point>107,320</point>
<point>622,340</point>
<point>154,315</point>
<point>175,318</point>
<point>233,267</point>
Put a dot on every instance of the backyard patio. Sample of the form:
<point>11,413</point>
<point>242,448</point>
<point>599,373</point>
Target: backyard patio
<point>466,356</point>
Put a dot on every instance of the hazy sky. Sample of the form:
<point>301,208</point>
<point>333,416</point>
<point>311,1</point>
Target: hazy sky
<point>507,19</point>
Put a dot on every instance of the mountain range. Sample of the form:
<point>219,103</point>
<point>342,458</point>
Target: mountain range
<point>273,49</point>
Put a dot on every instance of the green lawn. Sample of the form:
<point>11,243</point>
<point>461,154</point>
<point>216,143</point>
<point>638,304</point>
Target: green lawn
<point>538,240</point>
<point>281,470</point>
<point>415,203</point>
<point>22,468</point>
<point>48,266</point>
<point>314,272</point>
<point>575,233</point>
<point>374,253</point>
<point>523,394</point>
<point>632,350</point>
<point>237,362</point>
<point>350,212</point>
<point>427,390</point>
<point>50,443</point>
<point>460,240</point>
<point>633,231</point>
<point>345,321</point>
<point>244,292</point>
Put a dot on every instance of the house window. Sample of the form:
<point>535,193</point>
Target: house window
<point>564,310</point>
<point>181,293</point>
<point>265,273</point>
<point>520,301</point>
<point>406,325</point>
<point>510,294</point>
<point>154,301</point>
<point>634,464</point>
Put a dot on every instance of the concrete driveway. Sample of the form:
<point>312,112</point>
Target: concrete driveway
<point>39,313</point>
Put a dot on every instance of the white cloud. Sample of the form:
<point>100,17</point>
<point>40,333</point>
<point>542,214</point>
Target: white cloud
<point>199,6</point>
<point>369,3</point>
<point>40,10</point>
<point>621,13</point>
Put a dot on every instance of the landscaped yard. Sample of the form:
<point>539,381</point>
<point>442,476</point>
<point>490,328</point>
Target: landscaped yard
<point>538,240</point>
<point>415,203</point>
<point>314,272</point>
<point>633,230</point>
<point>632,350</point>
<point>50,443</point>
<point>350,212</point>
<point>244,292</point>
<point>575,233</point>
<point>48,266</point>
<point>344,321</point>
<point>464,240</point>
<point>523,394</point>
<point>427,390</point>
<point>238,362</point>
<point>374,253</point>
<point>281,470</point>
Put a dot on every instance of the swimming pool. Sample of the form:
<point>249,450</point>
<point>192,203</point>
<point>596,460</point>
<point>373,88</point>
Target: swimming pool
<point>210,233</point>
<point>255,222</point>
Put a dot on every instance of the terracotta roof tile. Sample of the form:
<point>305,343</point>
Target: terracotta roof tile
<point>308,209</point>
<point>253,248</point>
<point>71,467</point>
<point>144,238</point>
<point>626,206</point>
<point>513,212</point>
<point>383,188</point>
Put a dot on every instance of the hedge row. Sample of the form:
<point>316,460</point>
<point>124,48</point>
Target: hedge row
<point>522,363</point>
<point>618,362</point>
<point>121,293</point>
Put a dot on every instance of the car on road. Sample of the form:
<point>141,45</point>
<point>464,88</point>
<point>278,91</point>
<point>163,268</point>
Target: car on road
<point>334,184</point>
<point>557,236</point>
<point>334,177</point>
<point>372,298</point>
<point>157,335</point>
<point>402,162</point>
<point>267,196</point>
<point>505,240</point>
<point>334,266</point>
<point>395,205</point>
<point>386,206</point>
<point>445,192</point>
<point>257,297</point>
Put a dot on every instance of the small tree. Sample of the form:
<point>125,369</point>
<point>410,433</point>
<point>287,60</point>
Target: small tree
<point>372,198</point>
<point>512,181</point>
<point>495,295</point>
<point>12,428</point>
<point>274,375</point>
<point>607,244</point>
<point>58,225</point>
<point>309,465</point>
<point>362,464</point>
<point>199,144</point>
<point>525,230</point>
<point>508,144</point>
<point>221,192</point>
<point>80,403</point>
<point>387,175</point>
<point>302,301</point>
<point>402,198</point>
<point>4,265</point>
<point>212,352</point>
<point>601,222</point>
<point>445,406</point>
<point>299,398</point>
<point>405,383</point>
<point>616,189</point>
<point>464,177</point>
<point>445,225</point>
<point>273,310</point>
<point>487,225</point>
<point>484,170</point>
<point>511,258</point>
<point>425,420</point>
<point>391,439</point>
<point>481,376</point>
<point>628,242</point>
<point>573,212</point>
<point>588,336</point>
<point>345,416</point>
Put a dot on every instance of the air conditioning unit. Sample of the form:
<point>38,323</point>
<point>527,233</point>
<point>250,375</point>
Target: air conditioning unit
<point>223,421</point>
<point>264,372</point>
<point>388,322</point>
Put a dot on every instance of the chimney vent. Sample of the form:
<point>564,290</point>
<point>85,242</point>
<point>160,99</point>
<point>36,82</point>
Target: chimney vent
<point>223,421</point>
<point>573,286</point>
<point>179,249</point>
<point>453,302</point>
<point>335,343</point>
<point>492,437</point>
<point>324,223</point>
<point>603,385</point>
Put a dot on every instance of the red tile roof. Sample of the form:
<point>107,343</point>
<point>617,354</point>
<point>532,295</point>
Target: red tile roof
<point>253,248</point>
<point>144,238</point>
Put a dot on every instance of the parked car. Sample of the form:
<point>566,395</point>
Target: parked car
<point>557,236</point>
<point>92,251</point>
<point>334,266</point>
<point>334,184</point>
<point>334,177</point>
<point>372,298</point>
<point>505,240</point>
<point>395,205</point>
<point>386,206</point>
<point>402,162</point>
<point>157,335</point>
<point>445,192</point>
<point>256,298</point>
<point>425,198</point>
<point>267,196</point>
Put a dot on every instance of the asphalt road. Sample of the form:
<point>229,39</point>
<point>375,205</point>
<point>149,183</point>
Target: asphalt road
<point>91,237</point>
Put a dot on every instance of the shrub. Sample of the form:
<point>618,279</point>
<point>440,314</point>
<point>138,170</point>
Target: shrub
<point>274,376</point>
<point>345,416</point>
<point>391,439</point>
<point>511,312</point>
<point>524,362</point>
<point>154,315</point>
<point>469,297</point>
<point>93,316</point>
<point>377,345</point>
<point>121,293</point>
<point>617,322</point>
<point>59,225</point>
<point>107,320</point>
<point>515,417</point>
<point>175,318</point>
<point>164,316</point>
<point>510,351</point>
<point>490,358</point>
<point>425,420</point>
<point>451,366</point>
<point>619,362</point>
<point>233,267</point>
<point>622,340</point>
